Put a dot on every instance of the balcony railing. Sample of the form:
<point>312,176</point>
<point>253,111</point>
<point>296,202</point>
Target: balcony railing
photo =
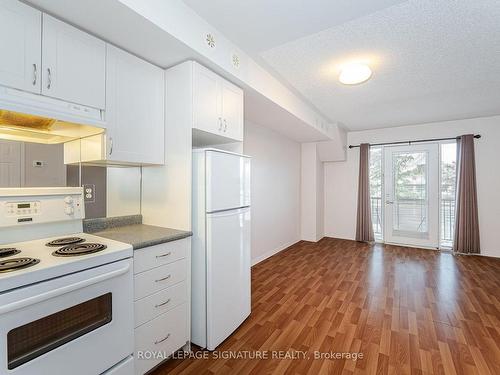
<point>376,206</point>
<point>447,218</point>
<point>447,221</point>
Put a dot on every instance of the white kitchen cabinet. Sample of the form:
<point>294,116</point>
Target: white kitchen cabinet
<point>156,279</point>
<point>163,335</point>
<point>162,283</point>
<point>20,46</point>
<point>135,96</point>
<point>232,110</point>
<point>135,126</point>
<point>217,105</point>
<point>206,100</point>
<point>73,64</point>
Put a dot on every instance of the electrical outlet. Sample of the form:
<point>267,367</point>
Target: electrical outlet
<point>89,193</point>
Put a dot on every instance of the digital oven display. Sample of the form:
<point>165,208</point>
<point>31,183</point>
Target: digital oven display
<point>23,205</point>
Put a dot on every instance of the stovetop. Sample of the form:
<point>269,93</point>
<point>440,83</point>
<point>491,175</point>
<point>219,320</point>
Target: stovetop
<point>29,262</point>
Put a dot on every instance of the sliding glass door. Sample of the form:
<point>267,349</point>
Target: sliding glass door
<point>411,195</point>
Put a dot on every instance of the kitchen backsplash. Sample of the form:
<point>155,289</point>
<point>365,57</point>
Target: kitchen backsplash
<point>108,191</point>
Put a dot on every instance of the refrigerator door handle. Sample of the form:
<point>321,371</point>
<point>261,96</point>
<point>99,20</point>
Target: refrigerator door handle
<point>230,211</point>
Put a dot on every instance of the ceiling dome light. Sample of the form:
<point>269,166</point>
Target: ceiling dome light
<point>353,74</point>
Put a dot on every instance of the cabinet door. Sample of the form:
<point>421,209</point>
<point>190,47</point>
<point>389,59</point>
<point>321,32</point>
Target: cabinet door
<point>232,110</point>
<point>134,110</point>
<point>73,64</point>
<point>206,100</point>
<point>21,46</point>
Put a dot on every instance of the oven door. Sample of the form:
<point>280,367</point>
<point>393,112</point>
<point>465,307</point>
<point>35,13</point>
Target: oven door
<point>81,323</point>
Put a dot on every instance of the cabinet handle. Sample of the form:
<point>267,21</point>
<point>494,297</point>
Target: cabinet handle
<point>220,123</point>
<point>163,339</point>
<point>163,278</point>
<point>225,125</point>
<point>164,255</point>
<point>110,145</point>
<point>35,75</point>
<point>163,303</point>
<point>49,78</point>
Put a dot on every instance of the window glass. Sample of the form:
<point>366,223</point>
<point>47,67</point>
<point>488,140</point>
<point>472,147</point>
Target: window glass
<point>447,191</point>
<point>31,340</point>
<point>376,190</point>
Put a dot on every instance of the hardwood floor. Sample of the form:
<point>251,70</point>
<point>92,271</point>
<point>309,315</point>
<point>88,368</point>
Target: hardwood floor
<point>408,311</point>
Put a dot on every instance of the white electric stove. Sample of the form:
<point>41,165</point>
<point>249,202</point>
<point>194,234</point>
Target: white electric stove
<point>66,297</point>
<point>29,262</point>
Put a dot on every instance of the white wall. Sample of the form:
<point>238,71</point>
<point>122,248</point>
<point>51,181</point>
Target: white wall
<point>341,178</point>
<point>275,190</point>
<point>308,181</point>
<point>311,194</point>
<point>123,191</point>
<point>320,199</point>
<point>166,189</point>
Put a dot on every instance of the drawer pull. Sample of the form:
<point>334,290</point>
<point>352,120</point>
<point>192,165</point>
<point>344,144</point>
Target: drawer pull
<point>163,278</point>
<point>163,303</point>
<point>163,339</point>
<point>164,255</point>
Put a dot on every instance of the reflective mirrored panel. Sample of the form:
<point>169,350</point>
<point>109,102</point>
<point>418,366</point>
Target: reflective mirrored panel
<point>108,191</point>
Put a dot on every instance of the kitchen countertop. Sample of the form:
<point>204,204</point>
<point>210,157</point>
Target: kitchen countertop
<point>140,235</point>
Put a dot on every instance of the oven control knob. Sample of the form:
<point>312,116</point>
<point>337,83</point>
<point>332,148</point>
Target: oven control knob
<point>68,200</point>
<point>69,210</point>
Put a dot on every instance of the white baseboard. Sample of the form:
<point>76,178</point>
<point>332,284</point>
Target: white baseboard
<point>268,254</point>
<point>330,235</point>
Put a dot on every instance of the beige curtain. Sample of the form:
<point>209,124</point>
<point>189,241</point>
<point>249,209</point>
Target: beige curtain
<point>364,228</point>
<point>466,217</point>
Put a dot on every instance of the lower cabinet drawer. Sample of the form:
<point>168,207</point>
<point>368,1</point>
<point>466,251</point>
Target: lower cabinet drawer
<point>160,337</point>
<point>151,306</point>
<point>152,281</point>
<point>158,255</point>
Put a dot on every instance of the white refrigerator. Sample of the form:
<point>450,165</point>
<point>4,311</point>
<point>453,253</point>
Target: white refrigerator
<point>220,245</point>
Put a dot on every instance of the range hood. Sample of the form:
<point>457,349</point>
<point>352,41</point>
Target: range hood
<point>35,118</point>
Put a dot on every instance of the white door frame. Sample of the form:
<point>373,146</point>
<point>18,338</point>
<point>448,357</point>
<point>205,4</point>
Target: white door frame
<point>432,240</point>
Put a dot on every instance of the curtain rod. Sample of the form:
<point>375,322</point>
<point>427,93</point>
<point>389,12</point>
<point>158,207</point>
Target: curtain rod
<point>417,141</point>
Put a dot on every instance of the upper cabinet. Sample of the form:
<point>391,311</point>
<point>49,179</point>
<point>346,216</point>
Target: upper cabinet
<point>135,97</point>
<point>231,98</point>
<point>91,80</point>
<point>217,105</point>
<point>135,109</point>
<point>60,62</point>
<point>73,63</point>
<point>21,46</point>
<point>206,100</point>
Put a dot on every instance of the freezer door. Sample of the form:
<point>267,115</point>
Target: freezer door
<point>228,181</point>
<point>228,273</point>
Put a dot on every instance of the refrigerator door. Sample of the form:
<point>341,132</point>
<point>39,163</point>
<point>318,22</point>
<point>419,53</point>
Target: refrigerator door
<point>228,181</point>
<point>228,273</point>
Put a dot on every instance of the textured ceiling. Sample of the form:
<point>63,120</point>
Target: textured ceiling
<point>258,25</point>
<point>433,60</point>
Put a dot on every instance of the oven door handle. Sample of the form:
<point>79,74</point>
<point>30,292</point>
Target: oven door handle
<point>63,290</point>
